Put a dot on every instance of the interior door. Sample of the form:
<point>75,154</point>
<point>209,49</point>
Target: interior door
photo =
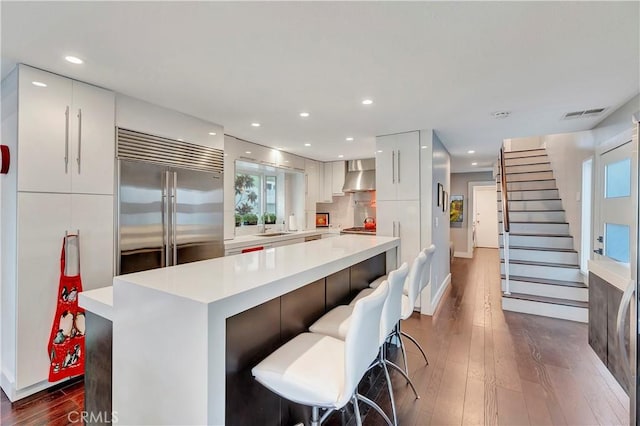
<point>143,217</point>
<point>486,216</point>
<point>197,216</point>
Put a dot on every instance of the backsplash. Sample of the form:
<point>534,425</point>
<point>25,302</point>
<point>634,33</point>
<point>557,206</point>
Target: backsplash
<point>340,211</point>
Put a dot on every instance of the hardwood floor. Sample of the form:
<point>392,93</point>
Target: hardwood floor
<point>486,367</point>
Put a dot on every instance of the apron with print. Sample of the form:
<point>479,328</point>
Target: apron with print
<point>66,343</point>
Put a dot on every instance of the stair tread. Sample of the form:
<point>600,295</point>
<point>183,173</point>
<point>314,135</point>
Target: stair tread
<point>533,210</point>
<point>529,171</point>
<point>538,199</point>
<point>528,164</point>
<point>525,150</point>
<point>534,263</point>
<point>533,221</point>
<point>520,190</point>
<point>545,299</point>
<point>541,249</point>
<point>521,234</point>
<point>546,281</point>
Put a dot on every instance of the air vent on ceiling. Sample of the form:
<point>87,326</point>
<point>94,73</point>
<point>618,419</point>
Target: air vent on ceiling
<point>587,113</point>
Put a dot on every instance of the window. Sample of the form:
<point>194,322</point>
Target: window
<point>616,242</point>
<point>255,198</point>
<point>618,179</point>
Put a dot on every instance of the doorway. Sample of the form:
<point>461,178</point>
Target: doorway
<point>485,216</point>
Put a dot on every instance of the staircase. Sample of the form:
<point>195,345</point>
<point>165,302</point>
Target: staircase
<point>544,269</point>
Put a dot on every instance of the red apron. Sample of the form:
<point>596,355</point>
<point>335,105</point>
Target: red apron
<point>66,344</point>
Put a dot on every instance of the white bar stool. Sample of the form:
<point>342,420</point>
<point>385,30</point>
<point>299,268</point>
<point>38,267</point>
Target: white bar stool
<point>323,372</point>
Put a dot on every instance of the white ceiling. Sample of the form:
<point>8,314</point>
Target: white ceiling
<point>446,66</point>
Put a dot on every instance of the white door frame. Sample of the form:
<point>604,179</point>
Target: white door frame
<point>586,199</point>
<point>494,191</point>
<point>469,212</point>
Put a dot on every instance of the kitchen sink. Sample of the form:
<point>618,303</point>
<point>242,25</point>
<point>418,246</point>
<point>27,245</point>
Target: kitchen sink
<point>272,234</point>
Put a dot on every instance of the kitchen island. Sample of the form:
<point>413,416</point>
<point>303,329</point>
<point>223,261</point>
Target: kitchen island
<point>185,337</point>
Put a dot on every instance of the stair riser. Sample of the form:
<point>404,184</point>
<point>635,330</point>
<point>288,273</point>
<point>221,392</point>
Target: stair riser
<point>579,294</point>
<point>527,160</point>
<point>548,216</point>
<point>571,313</point>
<point>525,177</point>
<point>538,228</point>
<point>530,195</point>
<point>545,272</point>
<point>535,205</point>
<point>529,153</point>
<point>541,256</point>
<point>540,241</point>
<point>544,167</point>
<point>537,185</point>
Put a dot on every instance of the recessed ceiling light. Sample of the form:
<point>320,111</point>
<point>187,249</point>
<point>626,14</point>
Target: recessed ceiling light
<point>212,133</point>
<point>501,114</point>
<point>367,102</point>
<point>349,139</point>
<point>307,144</point>
<point>304,114</point>
<point>423,147</point>
<point>38,83</point>
<point>379,150</point>
<point>180,139</point>
<point>286,161</point>
<point>73,60</point>
<point>255,124</point>
<point>247,152</point>
<point>471,151</point>
<point>474,164</point>
<point>340,156</point>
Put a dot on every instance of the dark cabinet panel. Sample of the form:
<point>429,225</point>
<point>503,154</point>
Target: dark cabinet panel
<point>301,308</point>
<point>97,375</point>
<point>598,303</point>
<point>365,272</point>
<point>251,336</point>
<point>604,301</point>
<point>338,289</point>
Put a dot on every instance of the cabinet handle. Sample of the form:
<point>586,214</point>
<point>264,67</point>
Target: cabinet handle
<point>174,214</point>
<point>393,171</point>
<point>393,227</point>
<point>306,184</point>
<point>79,138</point>
<point>165,219</point>
<point>398,171</point>
<point>623,310</point>
<point>66,140</point>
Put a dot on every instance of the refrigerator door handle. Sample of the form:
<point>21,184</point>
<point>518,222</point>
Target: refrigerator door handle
<point>174,214</point>
<point>165,219</point>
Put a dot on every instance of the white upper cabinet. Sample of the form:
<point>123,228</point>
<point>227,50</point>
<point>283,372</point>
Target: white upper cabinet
<point>290,161</point>
<point>398,167</point>
<point>92,144</point>
<point>337,177</point>
<point>66,135</point>
<point>311,176</point>
<point>325,172</point>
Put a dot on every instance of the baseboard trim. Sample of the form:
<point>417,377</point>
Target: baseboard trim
<point>435,302</point>
<point>8,386</point>
<point>465,254</point>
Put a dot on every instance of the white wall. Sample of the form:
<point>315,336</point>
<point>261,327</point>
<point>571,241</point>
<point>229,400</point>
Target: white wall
<point>441,173</point>
<point>618,121</point>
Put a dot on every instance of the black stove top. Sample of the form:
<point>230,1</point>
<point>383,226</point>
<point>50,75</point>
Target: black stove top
<point>359,230</point>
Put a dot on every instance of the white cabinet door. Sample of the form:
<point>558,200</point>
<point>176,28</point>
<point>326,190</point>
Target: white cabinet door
<point>325,191</point>
<point>400,219</point>
<point>311,184</point>
<point>93,140</point>
<point>385,168</point>
<point>398,166</point>
<point>408,166</point>
<point>44,129</point>
<point>337,177</point>
<point>93,215</point>
<point>42,221</point>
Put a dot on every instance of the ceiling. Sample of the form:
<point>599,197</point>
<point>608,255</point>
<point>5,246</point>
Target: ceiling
<point>445,65</point>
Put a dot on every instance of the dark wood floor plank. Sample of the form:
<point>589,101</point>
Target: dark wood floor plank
<point>536,403</point>
<point>473,411</point>
<point>574,405</point>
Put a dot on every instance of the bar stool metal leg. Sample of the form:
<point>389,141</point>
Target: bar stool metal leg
<point>356,410</point>
<point>391,364</point>
<point>375,406</point>
<point>415,342</point>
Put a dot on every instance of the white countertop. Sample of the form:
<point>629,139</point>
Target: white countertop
<point>248,240</point>
<point>271,272</point>
<point>98,301</point>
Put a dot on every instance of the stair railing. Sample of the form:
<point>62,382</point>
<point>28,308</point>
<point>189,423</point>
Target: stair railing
<point>505,219</point>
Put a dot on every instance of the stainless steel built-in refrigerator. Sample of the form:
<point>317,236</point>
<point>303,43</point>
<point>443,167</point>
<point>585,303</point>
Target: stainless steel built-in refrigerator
<point>170,202</point>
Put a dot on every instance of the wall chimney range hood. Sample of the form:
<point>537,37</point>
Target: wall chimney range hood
<point>361,176</point>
